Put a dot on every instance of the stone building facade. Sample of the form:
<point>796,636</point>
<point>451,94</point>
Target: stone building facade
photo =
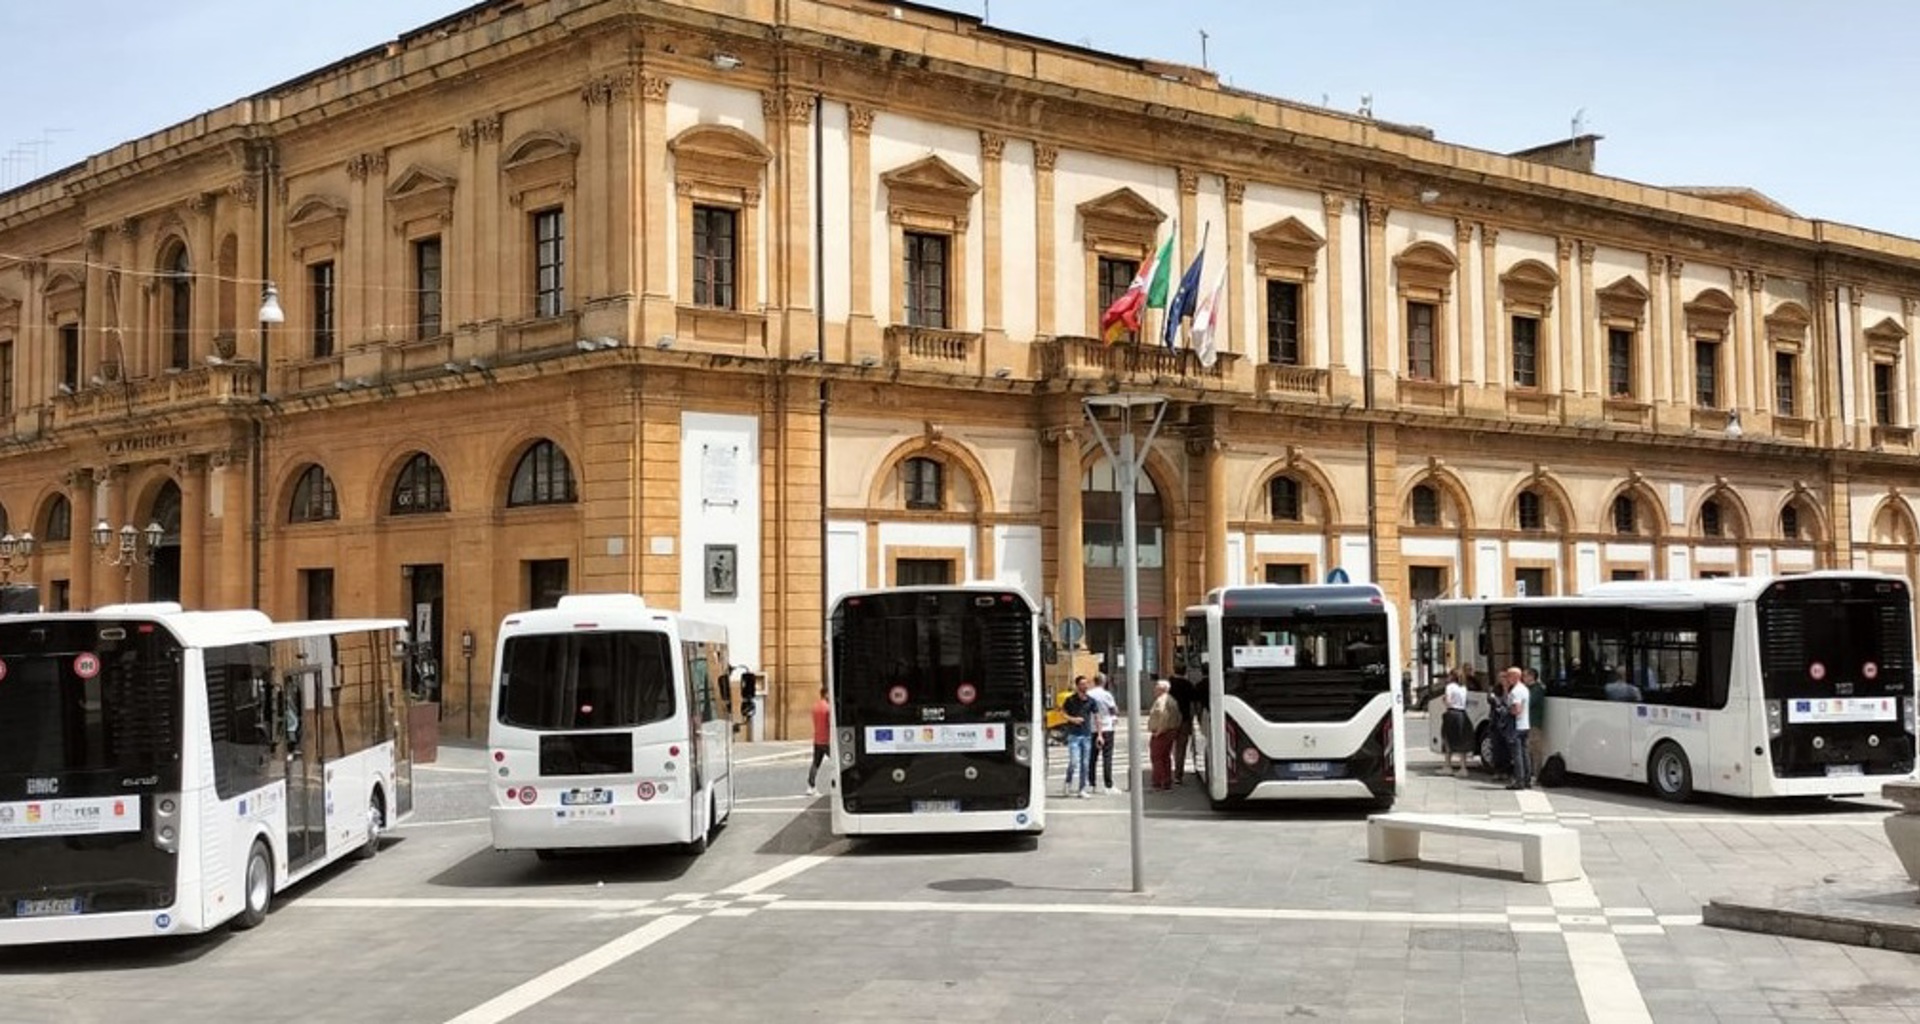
<point>741,304</point>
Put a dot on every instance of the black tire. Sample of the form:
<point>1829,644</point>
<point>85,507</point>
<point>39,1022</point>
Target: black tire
<point>699,844</point>
<point>1670,773</point>
<point>256,894</point>
<point>1380,804</point>
<point>1554,772</point>
<point>1485,746</point>
<point>376,827</point>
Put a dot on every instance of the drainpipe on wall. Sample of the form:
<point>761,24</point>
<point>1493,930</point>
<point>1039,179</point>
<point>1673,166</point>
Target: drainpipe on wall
<point>820,346</point>
<point>1366,393</point>
<point>266,166</point>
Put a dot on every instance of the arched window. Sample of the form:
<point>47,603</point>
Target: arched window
<point>1626,518</point>
<point>1710,524</point>
<point>179,326</point>
<point>1531,511</point>
<point>1426,506</point>
<point>1790,523</point>
<point>313,499</point>
<point>59,520</point>
<point>922,483</point>
<point>542,477</point>
<point>421,487</point>
<point>1283,499</point>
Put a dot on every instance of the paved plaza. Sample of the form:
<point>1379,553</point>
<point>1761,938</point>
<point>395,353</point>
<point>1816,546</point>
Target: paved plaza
<point>1268,915</point>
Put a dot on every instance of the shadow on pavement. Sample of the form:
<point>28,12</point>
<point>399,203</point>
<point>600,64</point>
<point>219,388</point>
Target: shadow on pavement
<point>809,831</point>
<point>1634,797</point>
<point>496,869</point>
<point>155,954</point>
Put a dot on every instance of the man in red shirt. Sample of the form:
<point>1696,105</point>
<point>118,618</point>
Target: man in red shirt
<point>822,740</point>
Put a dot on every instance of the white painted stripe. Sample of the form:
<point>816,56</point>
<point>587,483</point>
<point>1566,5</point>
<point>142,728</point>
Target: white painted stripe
<point>436,824</point>
<point>1607,988</point>
<point>451,770</point>
<point>1638,929</point>
<point>1679,920</point>
<point>781,872</point>
<point>1547,927</point>
<point>1850,819</point>
<point>1533,801</point>
<point>464,903</point>
<point>532,992</point>
<point>1126,910</point>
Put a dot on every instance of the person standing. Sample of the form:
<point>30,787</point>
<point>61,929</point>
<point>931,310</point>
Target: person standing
<point>1456,728</point>
<point>1106,716</point>
<point>822,740</point>
<point>1080,711</point>
<point>1163,721</point>
<point>1184,694</point>
<point>1517,698</point>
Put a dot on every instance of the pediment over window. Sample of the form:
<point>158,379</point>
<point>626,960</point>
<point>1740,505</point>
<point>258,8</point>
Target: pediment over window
<point>9,312</point>
<point>1789,318</point>
<point>1710,311</point>
<point>420,193</point>
<point>1121,218</point>
<point>65,294</point>
<point>539,159</point>
<point>1625,299</point>
<point>1530,282</point>
<point>720,155</point>
<point>1286,244</point>
<point>1425,265</point>
<point>316,221</point>
<point>1886,338</point>
<point>930,186</point>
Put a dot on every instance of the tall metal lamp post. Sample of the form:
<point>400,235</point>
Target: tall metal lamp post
<point>1128,410</point>
<point>124,547</point>
<point>16,553</point>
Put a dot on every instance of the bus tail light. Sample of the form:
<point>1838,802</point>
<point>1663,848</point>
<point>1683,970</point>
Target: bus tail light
<point>1775,719</point>
<point>1023,744</point>
<point>166,823</point>
<point>846,748</point>
<point>1386,750</point>
<point>1907,712</point>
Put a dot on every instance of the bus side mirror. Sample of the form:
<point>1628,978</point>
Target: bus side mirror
<point>1049,651</point>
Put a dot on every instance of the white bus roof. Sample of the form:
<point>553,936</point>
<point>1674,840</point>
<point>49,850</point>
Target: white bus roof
<point>1657,593</point>
<point>610,611</point>
<point>220,628</point>
<point>980,586</point>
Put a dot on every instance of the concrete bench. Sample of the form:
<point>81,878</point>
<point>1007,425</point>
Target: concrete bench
<point>1549,853</point>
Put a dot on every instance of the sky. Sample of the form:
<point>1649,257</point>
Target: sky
<point>1806,103</point>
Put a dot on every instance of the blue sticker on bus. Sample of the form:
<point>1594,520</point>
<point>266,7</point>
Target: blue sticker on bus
<point>163,922</point>
<point>883,735</point>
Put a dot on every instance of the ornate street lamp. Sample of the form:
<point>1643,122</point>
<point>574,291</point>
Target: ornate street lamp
<point>16,553</point>
<point>124,547</point>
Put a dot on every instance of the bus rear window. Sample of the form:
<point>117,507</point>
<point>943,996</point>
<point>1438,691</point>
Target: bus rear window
<point>586,680</point>
<point>87,696</point>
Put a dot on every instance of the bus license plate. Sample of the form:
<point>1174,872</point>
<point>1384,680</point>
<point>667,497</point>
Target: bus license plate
<point>1311,769</point>
<point>1844,769</point>
<point>936,807</point>
<point>47,908</point>
<point>586,797</point>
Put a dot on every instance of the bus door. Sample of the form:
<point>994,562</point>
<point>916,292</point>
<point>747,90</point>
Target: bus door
<point>301,693</point>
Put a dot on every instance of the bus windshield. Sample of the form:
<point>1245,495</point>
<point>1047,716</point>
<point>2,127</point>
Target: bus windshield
<point>559,681</point>
<point>952,655</point>
<point>1284,647</point>
<point>88,696</point>
<point>1821,638</point>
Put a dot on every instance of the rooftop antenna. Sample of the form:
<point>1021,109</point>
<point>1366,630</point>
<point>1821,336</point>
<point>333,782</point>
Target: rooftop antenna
<point>1579,121</point>
<point>1366,104</point>
<point>1203,48</point>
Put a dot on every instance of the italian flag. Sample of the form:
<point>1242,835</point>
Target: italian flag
<point>1148,291</point>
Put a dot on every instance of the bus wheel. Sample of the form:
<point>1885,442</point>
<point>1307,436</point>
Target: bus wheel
<point>258,895</point>
<point>1484,745</point>
<point>376,827</point>
<point>1554,772</point>
<point>699,844</point>
<point>1669,773</point>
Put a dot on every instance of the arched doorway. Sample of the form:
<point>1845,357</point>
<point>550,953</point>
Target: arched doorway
<point>1104,549</point>
<point>163,577</point>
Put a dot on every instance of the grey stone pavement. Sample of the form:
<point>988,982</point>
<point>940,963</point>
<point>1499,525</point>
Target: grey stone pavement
<point>1268,915</point>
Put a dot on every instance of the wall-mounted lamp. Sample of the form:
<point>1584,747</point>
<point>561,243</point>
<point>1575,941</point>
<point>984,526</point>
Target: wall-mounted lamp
<point>453,367</point>
<point>1003,372</point>
<point>64,388</point>
<point>809,356</point>
<point>664,342</point>
<point>343,385</point>
<point>869,361</point>
<point>1733,423</point>
<point>213,360</point>
<point>1429,196</point>
<point>727,62</point>
<point>586,345</point>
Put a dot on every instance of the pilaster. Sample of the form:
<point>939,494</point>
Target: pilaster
<point>1071,590</point>
<point>1046,308</point>
<point>790,118</point>
<point>863,330</point>
<point>1332,351</point>
<point>993,148</point>
<point>1384,372</point>
<point>1495,378</point>
<point>655,192</point>
<point>1565,341</point>
<point>1239,339</point>
<point>82,559</point>
<point>1466,341</point>
<point>191,475</point>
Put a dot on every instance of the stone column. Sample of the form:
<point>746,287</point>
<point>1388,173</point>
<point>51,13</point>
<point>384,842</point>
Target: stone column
<point>236,553</point>
<point>191,472</point>
<point>1571,377</point>
<point>82,557</point>
<point>1679,348</point>
<point>1591,345</point>
<point>1331,352</point>
<point>1762,347</point>
<point>1046,322</point>
<point>1659,347</point>
<point>1213,456</point>
<point>1490,310</point>
<point>113,579</point>
<point>862,330</point>
<point>1070,552</point>
<point>993,147</point>
<point>1742,353</point>
<point>789,114</point>
<point>655,190</point>
<point>1472,374</point>
<point>1384,372</point>
<point>1236,339</point>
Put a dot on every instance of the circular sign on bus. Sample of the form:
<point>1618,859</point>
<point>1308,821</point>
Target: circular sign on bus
<point>898,695</point>
<point>645,791</point>
<point>1816,671</point>
<point>86,665</point>
<point>3,669</point>
<point>1870,670</point>
<point>967,692</point>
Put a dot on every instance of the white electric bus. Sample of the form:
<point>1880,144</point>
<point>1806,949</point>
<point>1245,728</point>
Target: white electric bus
<point>611,726</point>
<point>1764,687</point>
<point>164,771</point>
<point>1298,699</point>
<point>937,711</point>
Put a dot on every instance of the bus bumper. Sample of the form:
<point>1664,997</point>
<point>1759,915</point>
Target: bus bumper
<point>1312,789</point>
<point>569,828</point>
<point>132,924</point>
<point>1029,821</point>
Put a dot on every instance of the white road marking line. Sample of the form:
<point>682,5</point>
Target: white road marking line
<point>436,824</point>
<point>781,872</point>
<point>530,993</point>
<point>1489,918</point>
<point>1851,818</point>
<point>465,903</point>
<point>1608,990</point>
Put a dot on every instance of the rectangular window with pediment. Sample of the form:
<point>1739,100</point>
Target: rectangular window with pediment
<point>1706,374</point>
<point>1116,276</point>
<point>428,277</point>
<point>1421,317</point>
<point>926,279</point>
<point>1886,409</point>
<point>1619,362</point>
<point>715,252</point>
<point>70,356</point>
<point>549,262</point>
<point>1785,368</point>
<point>1526,352</point>
<point>6,377</point>
<point>320,295</point>
<point>1283,323</point>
